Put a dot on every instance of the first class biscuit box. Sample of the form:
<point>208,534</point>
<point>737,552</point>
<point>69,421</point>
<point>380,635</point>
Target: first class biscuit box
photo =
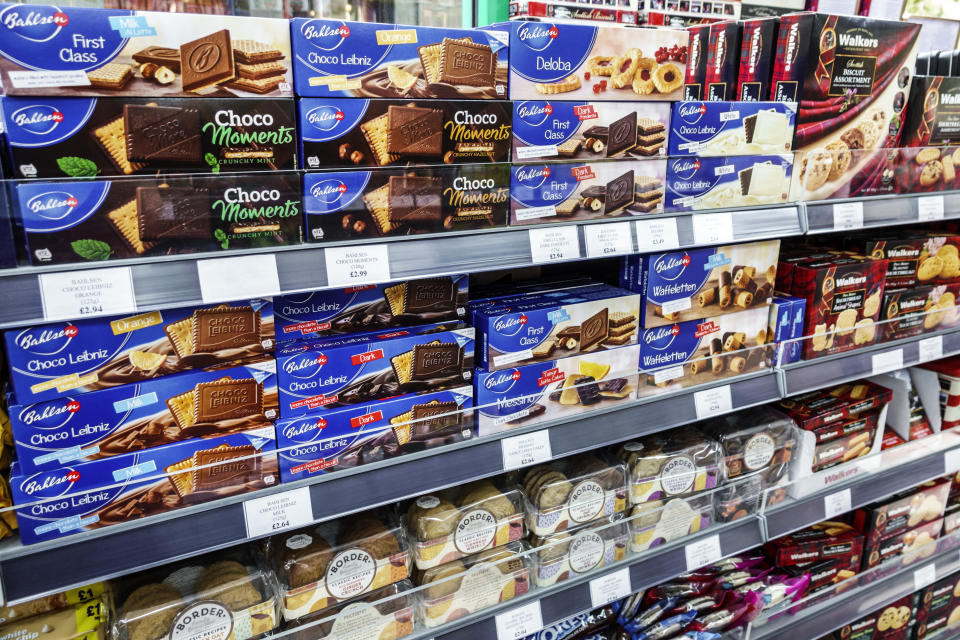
<point>56,137</point>
<point>349,436</point>
<point>48,50</point>
<point>580,62</point>
<point>541,391</point>
<point>347,132</point>
<point>90,495</point>
<point>318,375</point>
<point>336,58</point>
<point>573,191</point>
<point>67,358</point>
<point>132,417</point>
<point>731,128</point>
<point>695,183</point>
<point>152,216</point>
<point>581,130</point>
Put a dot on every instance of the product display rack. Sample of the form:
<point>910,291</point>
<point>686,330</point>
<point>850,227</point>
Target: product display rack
<point>884,211</point>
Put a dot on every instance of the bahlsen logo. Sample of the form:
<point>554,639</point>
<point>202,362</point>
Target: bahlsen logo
<point>671,266</point>
<point>662,337</point>
<point>325,118</point>
<point>532,176</point>
<point>510,325</point>
<point>328,191</point>
<point>534,113</point>
<point>685,168</point>
<point>304,366</point>
<point>50,484</point>
<point>50,416</point>
<point>38,119</point>
<point>501,381</point>
<point>691,112</point>
<point>537,35</point>
<point>53,205</point>
<point>324,34</point>
<point>36,23</point>
<point>47,340</point>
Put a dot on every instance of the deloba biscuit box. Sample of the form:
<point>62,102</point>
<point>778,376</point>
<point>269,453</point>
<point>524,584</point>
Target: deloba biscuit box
<point>371,308</point>
<point>346,205</point>
<point>533,393</point>
<point>351,436</point>
<point>581,62</point>
<point>324,374</point>
<point>933,113</point>
<point>87,496</point>
<point>339,59</point>
<point>572,191</point>
<point>58,137</point>
<point>142,415</point>
<point>731,128</point>
<point>695,183</point>
<point>572,130</point>
<point>47,50</point>
<point>99,220</point>
<point>69,358</point>
<point>347,132</point>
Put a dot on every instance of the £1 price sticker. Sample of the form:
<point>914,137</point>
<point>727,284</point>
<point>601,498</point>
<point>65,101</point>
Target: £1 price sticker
<point>238,278</point>
<point>524,450</point>
<point>357,264</point>
<point>278,512</point>
<point>608,239</point>
<point>711,402</point>
<point>657,235</point>
<point>519,622</point>
<point>712,228</point>
<point>553,244</point>
<point>847,215</point>
<point>89,292</point>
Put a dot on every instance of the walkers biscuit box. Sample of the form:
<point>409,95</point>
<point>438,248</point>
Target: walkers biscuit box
<point>565,130</point>
<point>47,50</point>
<point>723,55</point>
<point>729,181</point>
<point>341,59</point>
<point>933,113</point>
<point>824,174</point>
<point>757,43</point>
<point>69,358</point>
<point>696,74</point>
<point>731,128</point>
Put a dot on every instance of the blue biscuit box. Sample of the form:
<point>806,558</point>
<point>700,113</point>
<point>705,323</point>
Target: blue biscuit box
<point>371,308</point>
<point>319,375</point>
<point>350,436</point>
<point>731,128</point>
<point>336,58</point>
<point>132,417</point>
<point>695,183</point>
<point>790,326</point>
<point>71,357</point>
<point>92,495</point>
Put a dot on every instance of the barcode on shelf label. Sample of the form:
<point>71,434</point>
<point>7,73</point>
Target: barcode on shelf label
<point>924,576</point>
<point>608,239</point>
<point>711,402</point>
<point>657,235</point>
<point>836,503</point>
<point>241,277</point>
<point>887,361</point>
<point>520,622</point>
<point>606,589</point>
<point>358,264</point>
<point>703,552</point>
<point>847,215</point>
<point>551,244</point>
<point>712,228</point>
<point>930,349</point>
<point>930,208</point>
<point>278,512</point>
<point>526,449</point>
<point>90,292</point>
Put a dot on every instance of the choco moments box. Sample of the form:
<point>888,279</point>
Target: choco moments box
<point>47,50</point>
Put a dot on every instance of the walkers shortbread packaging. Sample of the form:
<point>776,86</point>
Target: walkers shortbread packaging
<point>723,56</point>
<point>695,183</point>
<point>757,44</point>
<point>933,112</point>
<point>696,73</point>
<point>731,128</point>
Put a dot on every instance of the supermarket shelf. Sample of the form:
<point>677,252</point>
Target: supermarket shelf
<point>885,211</point>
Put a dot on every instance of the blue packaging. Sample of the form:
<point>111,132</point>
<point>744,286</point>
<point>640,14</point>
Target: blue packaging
<point>696,183</point>
<point>368,308</point>
<point>100,493</point>
<point>731,128</point>
<point>71,357</point>
<point>793,350</point>
<point>131,417</point>
<point>350,436</point>
<point>337,58</point>
<point>319,375</point>
<point>525,294</point>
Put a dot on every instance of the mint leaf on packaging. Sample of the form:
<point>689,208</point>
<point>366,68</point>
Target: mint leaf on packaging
<point>220,235</point>
<point>77,167</point>
<point>89,249</point>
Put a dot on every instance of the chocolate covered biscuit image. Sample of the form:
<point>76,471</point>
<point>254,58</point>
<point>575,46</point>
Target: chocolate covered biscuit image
<point>162,134</point>
<point>414,131</point>
<point>207,61</point>
<point>172,213</point>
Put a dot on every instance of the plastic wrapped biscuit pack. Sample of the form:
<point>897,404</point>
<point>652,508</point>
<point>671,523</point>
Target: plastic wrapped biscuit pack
<point>567,554</point>
<point>386,613</point>
<point>681,463</point>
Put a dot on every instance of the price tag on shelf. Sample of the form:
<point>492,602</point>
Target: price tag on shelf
<point>712,228</point>
<point>527,449</point>
<point>608,588</point>
<point>930,348</point>
<point>520,622</point>
<point>951,461</point>
<point>847,215</point>
<point>253,276</point>
<point>278,512</point>
<point>357,264</point>
<point>703,552</point>
<point>657,235</point>
<point>887,361</point>
<point>608,239</point>
<point>552,244</point>
<point>711,402</point>
<point>930,208</point>
<point>836,503</point>
<point>88,292</point>
<point>924,576</point>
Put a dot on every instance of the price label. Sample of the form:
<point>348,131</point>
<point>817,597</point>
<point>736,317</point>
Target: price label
<point>930,208</point>
<point>847,215</point>
<point>359,264</point>
<point>711,402</point>
<point>608,588</point>
<point>278,512</point>
<point>703,552</point>
<point>951,461</point>
<point>91,292</point>
<point>522,451</point>
<point>657,235</point>
<point>608,239</point>
<point>552,244</point>
<point>712,228</point>
<point>836,503</point>
<point>253,276</point>
<point>930,348</point>
<point>520,622</point>
<point>924,576</point>
<point>887,361</point>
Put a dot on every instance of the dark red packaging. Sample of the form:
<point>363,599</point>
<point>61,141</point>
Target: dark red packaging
<point>723,57</point>
<point>903,253</point>
<point>844,448</point>
<point>914,545</point>
<point>903,511</point>
<point>758,39</point>
<point>696,72</point>
<point>893,621</point>
<point>902,313</point>
<point>936,604</point>
<point>891,439</point>
<point>865,422</point>
<point>826,573</point>
<point>790,56</point>
<point>822,541</point>
<point>830,406</point>
<point>841,172</point>
<point>928,169</point>
<point>933,112</point>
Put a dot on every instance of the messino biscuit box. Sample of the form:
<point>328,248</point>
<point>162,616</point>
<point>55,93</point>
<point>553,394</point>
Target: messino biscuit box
<point>347,437</point>
<point>696,72</point>
<point>370,308</point>
<point>695,183</point>
<point>581,62</point>
<point>48,50</point>
<point>58,137</point>
<point>723,55</point>
<point>91,495</point>
<point>758,40</point>
<point>98,220</point>
<point>347,132</point>
<point>142,415</point>
<point>578,130</point>
<point>67,358</point>
<point>334,58</point>
<point>731,128</point>
<point>933,113</point>
<point>344,205</point>
<point>318,375</point>
<point>550,193</point>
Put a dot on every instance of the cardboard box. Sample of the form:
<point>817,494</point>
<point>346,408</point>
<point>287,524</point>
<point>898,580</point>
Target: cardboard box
<point>913,545</point>
<point>731,128</point>
<point>723,57</point>
<point>76,51</point>
<point>903,253</point>
<point>928,169</point>
<point>786,322</point>
<point>903,511</point>
<point>822,541</point>
<point>758,42</point>
<point>696,73</point>
<point>790,57</point>
<point>829,406</point>
<point>840,172</point>
<point>894,621</point>
<point>738,181</point>
<point>902,314</point>
<point>933,112</point>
